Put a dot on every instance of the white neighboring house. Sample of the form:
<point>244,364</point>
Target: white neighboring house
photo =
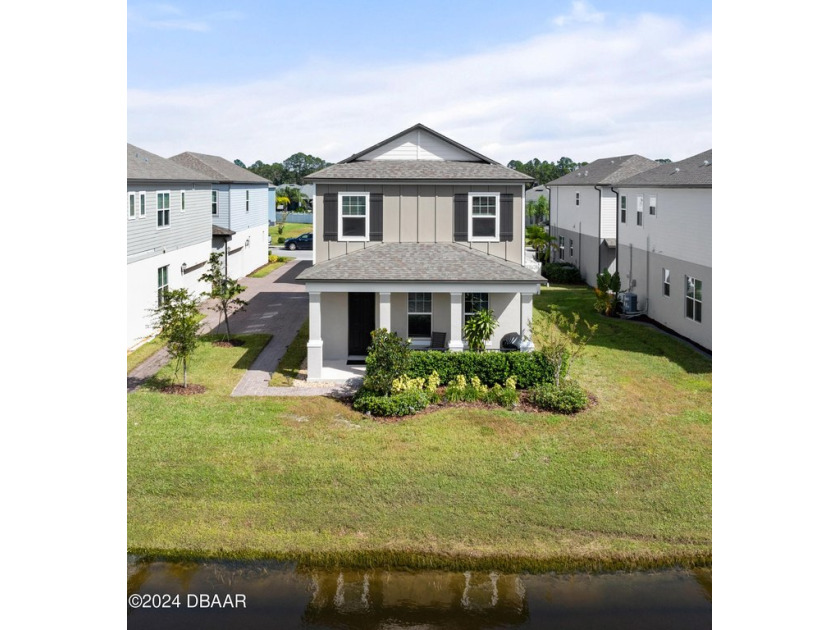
<point>534,194</point>
<point>584,212</point>
<point>169,234</point>
<point>665,244</point>
<point>238,211</point>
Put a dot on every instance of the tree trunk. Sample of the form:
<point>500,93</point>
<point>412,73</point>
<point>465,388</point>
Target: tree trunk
<point>185,373</point>
<point>227,324</point>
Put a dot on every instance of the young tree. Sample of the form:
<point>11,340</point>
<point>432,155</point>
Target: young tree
<point>223,290</point>
<point>537,210</point>
<point>478,329</point>
<point>539,239</point>
<point>177,316</point>
<point>561,340</point>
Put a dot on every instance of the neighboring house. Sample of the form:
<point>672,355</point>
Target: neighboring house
<point>534,194</point>
<point>169,234</point>
<point>238,210</point>
<point>665,244</point>
<point>415,234</point>
<point>272,203</point>
<point>584,213</point>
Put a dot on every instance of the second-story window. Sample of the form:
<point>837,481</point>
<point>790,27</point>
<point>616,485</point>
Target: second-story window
<point>131,210</point>
<point>666,281</point>
<point>484,216</point>
<point>214,202</point>
<point>640,203</point>
<point>163,209</point>
<point>571,248</point>
<point>577,198</point>
<point>142,205</point>
<point>623,209</point>
<point>183,201</point>
<point>353,222</point>
<point>561,247</point>
<point>652,205</point>
<point>247,200</point>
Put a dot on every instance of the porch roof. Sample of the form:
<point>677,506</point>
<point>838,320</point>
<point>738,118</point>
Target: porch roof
<point>419,262</point>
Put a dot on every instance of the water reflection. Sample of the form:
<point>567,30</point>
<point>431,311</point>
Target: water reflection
<point>282,596</point>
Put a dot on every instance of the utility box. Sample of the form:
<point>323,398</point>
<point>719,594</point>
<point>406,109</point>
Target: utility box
<point>629,302</point>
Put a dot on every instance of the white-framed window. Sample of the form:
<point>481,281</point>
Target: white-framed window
<point>420,315</point>
<point>693,298</point>
<point>571,248</point>
<point>354,216</point>
<point>652,205</point>
<point>640,204</point>
<point>183,201</point>
<point>577,198</point>
<point>475,302</point>
<point>214,202</point>
<point>484,216</point>
<point>247,200</point>
<point>666,281</point>
<point>132,211</point>
<point>163,209</point>
<point>561,247</point>
<point>142,196</point>
<point>623,209</point>
<point>163,282</point>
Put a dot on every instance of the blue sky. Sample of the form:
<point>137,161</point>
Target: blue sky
<point>262,80</point>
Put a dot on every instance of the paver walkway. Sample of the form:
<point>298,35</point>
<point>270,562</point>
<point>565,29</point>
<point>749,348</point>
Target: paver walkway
<point>277,304</point>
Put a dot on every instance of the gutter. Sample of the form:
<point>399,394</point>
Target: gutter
<point>617,228</point>
<point>599,231</point>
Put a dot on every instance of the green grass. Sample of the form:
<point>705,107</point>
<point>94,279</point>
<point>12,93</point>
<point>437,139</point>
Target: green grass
<point>266,269</point>
<point>142,353</point>
<point>289,366</point>
<point>625,484</point>
<point>290,230</point>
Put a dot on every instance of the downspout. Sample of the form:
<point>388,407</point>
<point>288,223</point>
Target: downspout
<point>598,270</point>
<point>617,228</point>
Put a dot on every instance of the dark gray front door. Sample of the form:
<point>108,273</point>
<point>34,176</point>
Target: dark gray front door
<point>361,320</point>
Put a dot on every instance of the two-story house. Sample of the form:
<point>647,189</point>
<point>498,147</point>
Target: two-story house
<point>584,212</point>
<point>238,210</point>
<point>169,233</point>
<point>665,244</point>
<point>415,234</point>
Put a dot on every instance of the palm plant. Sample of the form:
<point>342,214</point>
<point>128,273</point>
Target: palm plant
<point>537,238</point>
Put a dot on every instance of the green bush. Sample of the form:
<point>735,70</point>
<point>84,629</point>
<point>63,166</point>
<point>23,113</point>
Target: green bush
<point>478,329</point>
<point>568,398</point>
<point>503,396</point>
<point>562,273</point>
<point>388,358</point>
<point>403,404</point>
<point>529,368</point>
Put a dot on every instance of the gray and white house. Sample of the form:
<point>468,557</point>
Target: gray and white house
<point>169,223</point>
<point>238,210</point>
<point>665,244</point>
<point>584,213</point>
<point>415,234</point>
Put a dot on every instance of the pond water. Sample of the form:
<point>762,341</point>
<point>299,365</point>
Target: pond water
<point>274,595</point>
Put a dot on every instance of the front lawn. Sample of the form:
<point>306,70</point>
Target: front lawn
<point>625,484</point>
<point>267,268</point>
<point>290,230</point>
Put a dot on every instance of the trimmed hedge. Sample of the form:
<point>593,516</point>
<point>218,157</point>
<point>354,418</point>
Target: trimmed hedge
<point>529,368</point>
<point>404,404</point>
<point>568,398</point>
<point>562,273</point>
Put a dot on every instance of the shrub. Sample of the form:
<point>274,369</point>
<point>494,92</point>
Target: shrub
<point>608,286</point>
<point>478,329</point>
<point>504,396</point>
<point>388,358</point>
<point>561,273</point>
<point>403,404</point>
<point>273,258</point>
<point>568,398</point>
<point>529,368</point>
<point>460,390</point>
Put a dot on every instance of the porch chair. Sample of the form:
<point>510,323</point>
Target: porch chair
<point>438,341</point>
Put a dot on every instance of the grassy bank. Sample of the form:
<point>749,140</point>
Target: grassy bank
<point>626,484</point>
<point>267,268</point>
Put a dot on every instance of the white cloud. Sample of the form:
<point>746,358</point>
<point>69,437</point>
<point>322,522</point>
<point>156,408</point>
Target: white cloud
<point>581,13</point>
<point>169,17</point>
<point>643,86</point>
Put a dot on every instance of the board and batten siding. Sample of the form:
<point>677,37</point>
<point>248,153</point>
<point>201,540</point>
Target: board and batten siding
<point>188,227</point>
<point>418,214</point>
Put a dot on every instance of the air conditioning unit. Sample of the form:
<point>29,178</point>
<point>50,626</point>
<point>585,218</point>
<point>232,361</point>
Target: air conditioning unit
<point>629,302</point>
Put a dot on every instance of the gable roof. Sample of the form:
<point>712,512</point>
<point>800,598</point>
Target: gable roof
<point>145,165</point>
<point>692,172</point>
<point>422,127</point>
<point>606,171</point>
<point>419,262</point>
<point>218,168</point>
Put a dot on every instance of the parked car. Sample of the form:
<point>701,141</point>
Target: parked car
<point>304,241</point>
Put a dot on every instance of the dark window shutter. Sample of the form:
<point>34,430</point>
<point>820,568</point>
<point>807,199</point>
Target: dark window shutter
<point>461,217</point>
<point>330,216</point>
<point>376,216</point>
<point>506,218</point>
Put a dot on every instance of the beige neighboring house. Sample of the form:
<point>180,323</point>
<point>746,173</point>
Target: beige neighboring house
<point>415,234</point>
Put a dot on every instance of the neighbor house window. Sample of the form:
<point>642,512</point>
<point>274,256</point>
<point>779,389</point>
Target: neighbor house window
<point>484,216</point>
<point>183,201</point>
<point>693,298</point>
<point>420,315</point>
<point>163,283</point>
<point>142,205</point>
<point>561,247</point>
<point>623,209</point>
<point>247,200</point>
<point>666,282</point>
<point>640,203</point>
<point>475,302</point>
<point>214,202</point>
<point>577,198</point>
<point>353,224</point>
<point>652,205</point>
<point>571,248</point>
<point>162,209</point>
<point>131,210</point>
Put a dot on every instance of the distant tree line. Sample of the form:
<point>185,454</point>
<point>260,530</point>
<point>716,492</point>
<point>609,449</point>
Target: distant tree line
<point>291,171</point>
<point>544,172</point>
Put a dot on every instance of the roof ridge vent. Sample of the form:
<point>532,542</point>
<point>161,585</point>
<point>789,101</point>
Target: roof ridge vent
<point>676,170</point>
<point>706,162</point>
<point>586,173</point>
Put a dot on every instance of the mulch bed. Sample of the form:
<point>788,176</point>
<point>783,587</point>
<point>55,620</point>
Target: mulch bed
<point>233,343</point>
<point>183,391</point>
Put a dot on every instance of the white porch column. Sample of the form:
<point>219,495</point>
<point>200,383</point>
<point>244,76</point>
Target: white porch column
<point>385,311</point>
<point>456,344</point>
<point>526,313</point>
<point>315,346</point>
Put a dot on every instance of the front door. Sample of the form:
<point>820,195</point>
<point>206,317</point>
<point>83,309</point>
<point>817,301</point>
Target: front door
<point>361,320</point>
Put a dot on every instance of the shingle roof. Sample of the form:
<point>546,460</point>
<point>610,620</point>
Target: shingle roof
<point>693,172</point>
<point>402,170</point>
<point>605,171</point>
<point>218,168</point>
<point>144,165</point>
<point>419,262</point>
